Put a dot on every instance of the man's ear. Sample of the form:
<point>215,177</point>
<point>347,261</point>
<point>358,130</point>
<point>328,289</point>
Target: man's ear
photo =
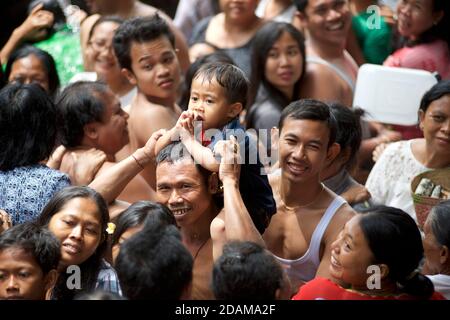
<point>213,183</point>
<point>129,75</point>
<point>444,257</point>
<point>234,110</point>
<point>91,130</point>
<point>50,280</point>
<point>384,271</point>
<point>333,152</point>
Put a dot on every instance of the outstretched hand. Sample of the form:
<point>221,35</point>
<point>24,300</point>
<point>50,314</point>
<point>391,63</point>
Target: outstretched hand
<point>229,151</point>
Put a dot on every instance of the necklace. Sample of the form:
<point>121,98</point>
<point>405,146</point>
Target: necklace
<point>200,248</point>
<point>303,205</point>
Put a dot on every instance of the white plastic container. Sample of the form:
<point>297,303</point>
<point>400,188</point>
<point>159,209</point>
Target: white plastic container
<point>391,95</point>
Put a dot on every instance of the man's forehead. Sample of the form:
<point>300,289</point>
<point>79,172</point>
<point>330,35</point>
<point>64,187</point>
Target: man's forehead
<point>184,167</point>
<point>317,3</point>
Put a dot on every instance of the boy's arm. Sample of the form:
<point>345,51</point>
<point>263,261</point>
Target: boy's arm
<point>202,155</point>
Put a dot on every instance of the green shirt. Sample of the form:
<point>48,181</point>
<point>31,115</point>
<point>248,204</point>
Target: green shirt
<point>374,40</point>
<point>65,48</point>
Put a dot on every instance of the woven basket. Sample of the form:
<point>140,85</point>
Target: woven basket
<point>423,204</point>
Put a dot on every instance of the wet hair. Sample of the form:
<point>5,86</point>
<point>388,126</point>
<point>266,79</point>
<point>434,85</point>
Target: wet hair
<point>154,265</point>
<point>310,109</point>
<point>36,241</point>
<point>440,223</point>
<point>141,213</point>
<point>231,78</point>
<point>436,92</point>
<point>263,41</point>
<point>218,56</point>
<point>28,126</point>
<point>394,239</point>
<point>245,271</point>
<point>90,267</point>
<point>115,19</point>
<point>139,30</point>
<point>79,104</point>
<point>46,60</point>
<point>348,131</point>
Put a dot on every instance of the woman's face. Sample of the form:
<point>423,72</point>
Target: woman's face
<point>351,255</point>
<point>101,51</point>
<point>78,227</point>
<point>126,235</point>
<point>284,63</point>
<point>432,251</point>
<point>28,70</point>
<point>239,9</point>
<point>415,17</point>
<point>435,123</point>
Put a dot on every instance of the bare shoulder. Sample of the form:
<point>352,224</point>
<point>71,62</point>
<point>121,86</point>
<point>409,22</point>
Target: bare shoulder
<point>315,77</point>
<point>344,214</point>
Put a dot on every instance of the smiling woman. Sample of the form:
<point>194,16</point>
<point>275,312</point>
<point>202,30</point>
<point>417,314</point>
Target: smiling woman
<point>385,240</point>
<point>78,217</point>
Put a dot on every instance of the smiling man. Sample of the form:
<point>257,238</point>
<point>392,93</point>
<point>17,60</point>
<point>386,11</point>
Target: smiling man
<point>309,215</point>
<point>327,24</point>
<point>193,195</point>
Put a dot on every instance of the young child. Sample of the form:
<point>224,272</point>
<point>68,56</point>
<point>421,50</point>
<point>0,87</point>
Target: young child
<point>218,95</point>
<point>29,257</point>
<point>145,50</point>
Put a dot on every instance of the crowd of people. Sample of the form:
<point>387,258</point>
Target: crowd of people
<point>218,155</point>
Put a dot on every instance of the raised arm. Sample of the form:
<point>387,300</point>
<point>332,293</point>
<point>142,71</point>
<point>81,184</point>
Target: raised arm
<point>33,28</point>
<point>234,222</point>
<point>112,181</point>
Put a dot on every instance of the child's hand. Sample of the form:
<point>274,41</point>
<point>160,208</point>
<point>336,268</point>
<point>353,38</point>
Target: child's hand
<point>230,166</point>
<point>185,125</point>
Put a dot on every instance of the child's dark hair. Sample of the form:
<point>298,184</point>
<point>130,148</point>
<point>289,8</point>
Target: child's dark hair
<point>245,271</point>
<point>139,30</point>
<point>154,264</point>
<point>35,240</point>
<point>218,56</point>
<point>229,77</point>
<point>141,213</point>
<point>310,109</point>
<point>394,239</point>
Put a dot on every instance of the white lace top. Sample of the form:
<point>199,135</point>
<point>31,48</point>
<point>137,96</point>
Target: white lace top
<point>389,182</point>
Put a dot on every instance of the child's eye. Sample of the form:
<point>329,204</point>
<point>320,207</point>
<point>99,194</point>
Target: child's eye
<point>209,101</point>
<point>24,274</point>
<point>194,99</point>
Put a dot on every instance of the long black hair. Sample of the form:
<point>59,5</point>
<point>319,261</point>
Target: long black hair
<point>262,43</point>
<point>91,267</point>
<point>395,240</point>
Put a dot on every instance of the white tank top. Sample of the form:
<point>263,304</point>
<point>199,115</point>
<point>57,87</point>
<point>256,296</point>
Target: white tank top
<point>305,268</point>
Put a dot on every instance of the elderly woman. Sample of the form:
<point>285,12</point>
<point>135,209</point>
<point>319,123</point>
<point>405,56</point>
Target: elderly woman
<point>390,179</point>
<point>436,246</point>
<point>28,134</point>
<point>232,30</point>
